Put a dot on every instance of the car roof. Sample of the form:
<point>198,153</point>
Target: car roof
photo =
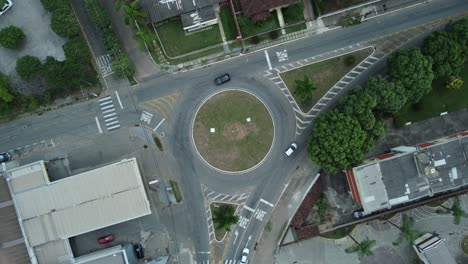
<point>246,250</point>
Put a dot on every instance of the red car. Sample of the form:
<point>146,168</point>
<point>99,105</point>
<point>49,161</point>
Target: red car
<point>106,239</point>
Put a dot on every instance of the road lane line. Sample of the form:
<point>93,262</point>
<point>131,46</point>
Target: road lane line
<point>266,202</point>
<point>268,60</point>
<point>159,124</point>
<point>118,99</point>
<point>248,208</point>
<point>98,125</point>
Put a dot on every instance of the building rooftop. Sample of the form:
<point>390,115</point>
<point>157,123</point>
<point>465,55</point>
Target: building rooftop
<point>431,249</point>
<point>159,10</point>
<point>51,212</point>
<point>395,178</point>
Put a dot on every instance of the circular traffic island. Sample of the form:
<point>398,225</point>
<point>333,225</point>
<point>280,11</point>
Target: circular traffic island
<point>233,131</point>
<point>464,245</point>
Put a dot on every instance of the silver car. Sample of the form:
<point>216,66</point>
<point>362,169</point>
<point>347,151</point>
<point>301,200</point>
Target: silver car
<point>8,4</point>
<point>244,256</point>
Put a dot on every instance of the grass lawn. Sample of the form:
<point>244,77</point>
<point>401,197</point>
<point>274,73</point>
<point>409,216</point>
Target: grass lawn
<point>294,14</point>
<point>176,190</point>
<point>219,232</point>
<point>236,144</point>
<point>177,43</point>
<point>340,233</point>
<point>228,23</point>
<point>248,28</point>
<point>323,74</point>
<point>464,244</point>
<point>439,100</point>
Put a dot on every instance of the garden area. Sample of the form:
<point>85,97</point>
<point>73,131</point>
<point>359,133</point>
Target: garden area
<point>177,42</point>
<point>322,7</point>
<point>223,216</point>
<point>321,77</point>
<point>294,14</point>
<point>228,22</point>
<point>438,100</point>
<point>250,28</point>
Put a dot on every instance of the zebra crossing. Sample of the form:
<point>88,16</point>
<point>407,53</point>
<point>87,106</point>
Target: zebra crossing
<point>231,261</point>
<point>108,113</point>
<point>213,196</point>
<point>104,63</point>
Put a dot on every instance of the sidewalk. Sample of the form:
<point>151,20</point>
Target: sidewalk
<point>289,202</point>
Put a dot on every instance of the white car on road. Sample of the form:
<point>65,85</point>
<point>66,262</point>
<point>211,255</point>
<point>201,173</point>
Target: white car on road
<point>244,256</point>
<point>8,4</point>
<point>290,149</point>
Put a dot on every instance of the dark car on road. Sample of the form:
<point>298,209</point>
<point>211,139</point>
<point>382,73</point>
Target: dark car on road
<point>222,79</point>
<point>4,157</point>
<point>139,251</point>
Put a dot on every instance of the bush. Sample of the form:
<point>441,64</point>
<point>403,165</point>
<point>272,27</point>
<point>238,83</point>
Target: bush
<point>294,13</point>
<point>255,40</point>
<point>12,37</point>
<point>273,34</point>
<point>454,83</point>
<point>349,60</point>
<point>158,143</point>
<point>61,74</point>
<point>51,5</point>
<point>63,23</point>
<point>76,51</point>
<point>97,14</point>
<point>122,66</point>
<point>28,67</point>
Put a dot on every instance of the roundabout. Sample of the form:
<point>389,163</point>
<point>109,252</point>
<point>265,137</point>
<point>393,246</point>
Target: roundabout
<point>233,131</point>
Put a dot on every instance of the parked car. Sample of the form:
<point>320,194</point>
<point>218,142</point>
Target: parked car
<point>244,255</point>
<point>106,239</point>
<point>222,79</point>
<point>8,4</point>
<point>358,214</point>
<point>289,151</point>
<point>139,251</point>
<point>5,156</point>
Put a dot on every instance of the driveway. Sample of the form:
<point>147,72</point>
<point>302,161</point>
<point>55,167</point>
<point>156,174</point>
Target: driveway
<point>40,41</point>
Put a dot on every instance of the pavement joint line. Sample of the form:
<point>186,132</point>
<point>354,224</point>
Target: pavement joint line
<point>112,123</point>
<point>105,98</point>
<point>98,125</point>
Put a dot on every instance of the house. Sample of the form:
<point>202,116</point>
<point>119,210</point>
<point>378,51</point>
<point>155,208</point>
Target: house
<point>194,14</point>
<point>259,10</point>
<point>432,249</point>
<point>410,173</point>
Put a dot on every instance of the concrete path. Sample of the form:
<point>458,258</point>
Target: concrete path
<point>144,65</point>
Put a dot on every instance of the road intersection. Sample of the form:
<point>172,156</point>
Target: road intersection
<point>167,103</point>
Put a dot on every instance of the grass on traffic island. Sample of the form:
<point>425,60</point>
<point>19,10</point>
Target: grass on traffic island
<point>177,42</point>
<point>233,131</point>
<point>220,232</point>
<point>439,100</point>
<point>464,245</point>
<point>340,233</point>
<point>175,189</point>
<point>323,75</point>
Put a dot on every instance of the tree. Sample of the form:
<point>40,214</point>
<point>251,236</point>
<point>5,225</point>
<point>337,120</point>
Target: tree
<point>374,134</point>
<point>390,96</point>
<point>97,14</point>
<point>359,105</point>
<point>304,89</point>
<point>28,67</point>
<point>337,142</point>
<point>458,212</point>
<point>122,66</point>
<point>133,14</point>
<point>458,31</point>
<point>363,249</point>
<point>224,216</point>
<point>454,83</point>
<point>447,55</point>
<point>12,37</point>
<point>63,23</point>
<point>407,231</point>
<point>5,94</point>
<point>76,50</point>
<point>413,70</point>
<point>51,5</point>
<point>61,74</point>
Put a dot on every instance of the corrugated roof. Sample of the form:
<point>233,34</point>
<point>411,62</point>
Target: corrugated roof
<point>81,203</point>
<point>159,10</point>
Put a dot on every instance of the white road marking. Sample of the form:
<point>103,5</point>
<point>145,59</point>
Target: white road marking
<point>98,125</point>
<point>105,98</point>
<point>118,99</point>
<point>107,107</point>
<point>249,208</point>
<point>105,103</point>
<point>107,111</point>
<point>282,55</point>
<point>110,119</point>
<point>266,202</point>
<point>110,128</point>
<point>159,124</point>
<point>109,115</point>
<point>112,123</point>
<point>268,60</point>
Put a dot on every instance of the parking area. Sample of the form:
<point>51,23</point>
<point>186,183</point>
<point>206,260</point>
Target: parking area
<point>40,40</point>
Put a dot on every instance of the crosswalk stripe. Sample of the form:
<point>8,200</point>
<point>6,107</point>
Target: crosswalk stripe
<point>105,102</point>
<point>110,119</point>
<point>108,111</point>
<point>107,107</point>
<point>112,123</point>
<point>105,98</point>
<point>113,127</point>
<point>109,115</point>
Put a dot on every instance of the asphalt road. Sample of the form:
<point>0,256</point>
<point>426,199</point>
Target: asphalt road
<point>71,124</point>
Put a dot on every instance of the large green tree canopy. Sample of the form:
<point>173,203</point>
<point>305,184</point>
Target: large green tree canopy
<point>337,142</point>
<point>413,70</point>
<point>390,95</point>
